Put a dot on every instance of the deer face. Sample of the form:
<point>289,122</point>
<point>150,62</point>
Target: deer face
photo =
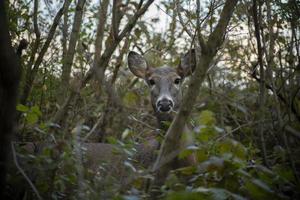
<point>164,82</point>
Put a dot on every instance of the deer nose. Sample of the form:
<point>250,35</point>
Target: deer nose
<point>164,105</point>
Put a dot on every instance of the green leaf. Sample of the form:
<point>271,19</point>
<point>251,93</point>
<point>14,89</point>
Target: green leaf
<point>207,118</point>
<point>112,140</point>
<point>233,147</point>
<point>185,153</point>
<point>206,134</point>
<point>187,170</point>
<point>36,110</point>
<point>22,108</point>
<point>201,155</point>
<point>31,118</point>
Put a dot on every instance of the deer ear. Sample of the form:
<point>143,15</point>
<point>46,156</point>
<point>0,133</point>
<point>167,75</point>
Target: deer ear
<point>187,64</point>
<point>137,64</point>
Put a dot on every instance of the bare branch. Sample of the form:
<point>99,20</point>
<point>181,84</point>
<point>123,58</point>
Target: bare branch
<point>68,60</point>
<point>200,37</point>
<point>183,24</point>
<point>35,20</point>
<point>132,21</point>
<point>23,172</point>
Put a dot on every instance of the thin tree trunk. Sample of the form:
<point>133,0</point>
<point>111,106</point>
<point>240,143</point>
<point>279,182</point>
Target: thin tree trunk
<point>119,61</point>
<point>68,59</point>
<point>65,28</point>
<point>100,29</point>
<point>64,42</point>
<point>257,22</point>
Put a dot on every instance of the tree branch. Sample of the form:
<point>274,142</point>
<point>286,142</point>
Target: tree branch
<point>101,62</point>
<point>31,75</point>
<point>23,172</point>
<point>69,57</point>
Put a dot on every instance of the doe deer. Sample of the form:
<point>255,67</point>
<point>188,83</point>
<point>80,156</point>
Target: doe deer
<point>165,85</point>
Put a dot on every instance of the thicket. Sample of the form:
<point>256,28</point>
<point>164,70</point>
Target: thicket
<point>76,87</point>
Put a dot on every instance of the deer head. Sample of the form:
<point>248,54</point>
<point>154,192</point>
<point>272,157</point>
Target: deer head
<point>164,82</point>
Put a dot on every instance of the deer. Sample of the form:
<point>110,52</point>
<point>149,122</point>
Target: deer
<point>165,85</point>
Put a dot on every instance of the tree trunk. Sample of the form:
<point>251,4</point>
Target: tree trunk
<point>257,22</point>
<point>69,57</point>
<point>9,81</point>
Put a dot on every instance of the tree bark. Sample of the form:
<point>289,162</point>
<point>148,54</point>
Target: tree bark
<point>9,81</point>
<point>119,60</point>
<point>257,22</point>
<point>68,59</point>
<point>170,146</point>
<point>65,28</point>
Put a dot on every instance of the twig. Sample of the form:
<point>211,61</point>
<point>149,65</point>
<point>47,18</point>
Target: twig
<point>93,129</point>
<point>239,127</point>
<point>293,131</point>
<point>23,172</point>
<point>182,22</point>
<point>143,123</point>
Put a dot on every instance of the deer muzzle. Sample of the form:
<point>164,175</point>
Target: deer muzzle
<point>165,105</point>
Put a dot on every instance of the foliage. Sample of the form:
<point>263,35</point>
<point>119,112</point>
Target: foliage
<point>225,122</point>
<point>224,170</point>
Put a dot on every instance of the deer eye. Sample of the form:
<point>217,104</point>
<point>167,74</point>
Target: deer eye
<point>177,81</point>
<point>152,82</point>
